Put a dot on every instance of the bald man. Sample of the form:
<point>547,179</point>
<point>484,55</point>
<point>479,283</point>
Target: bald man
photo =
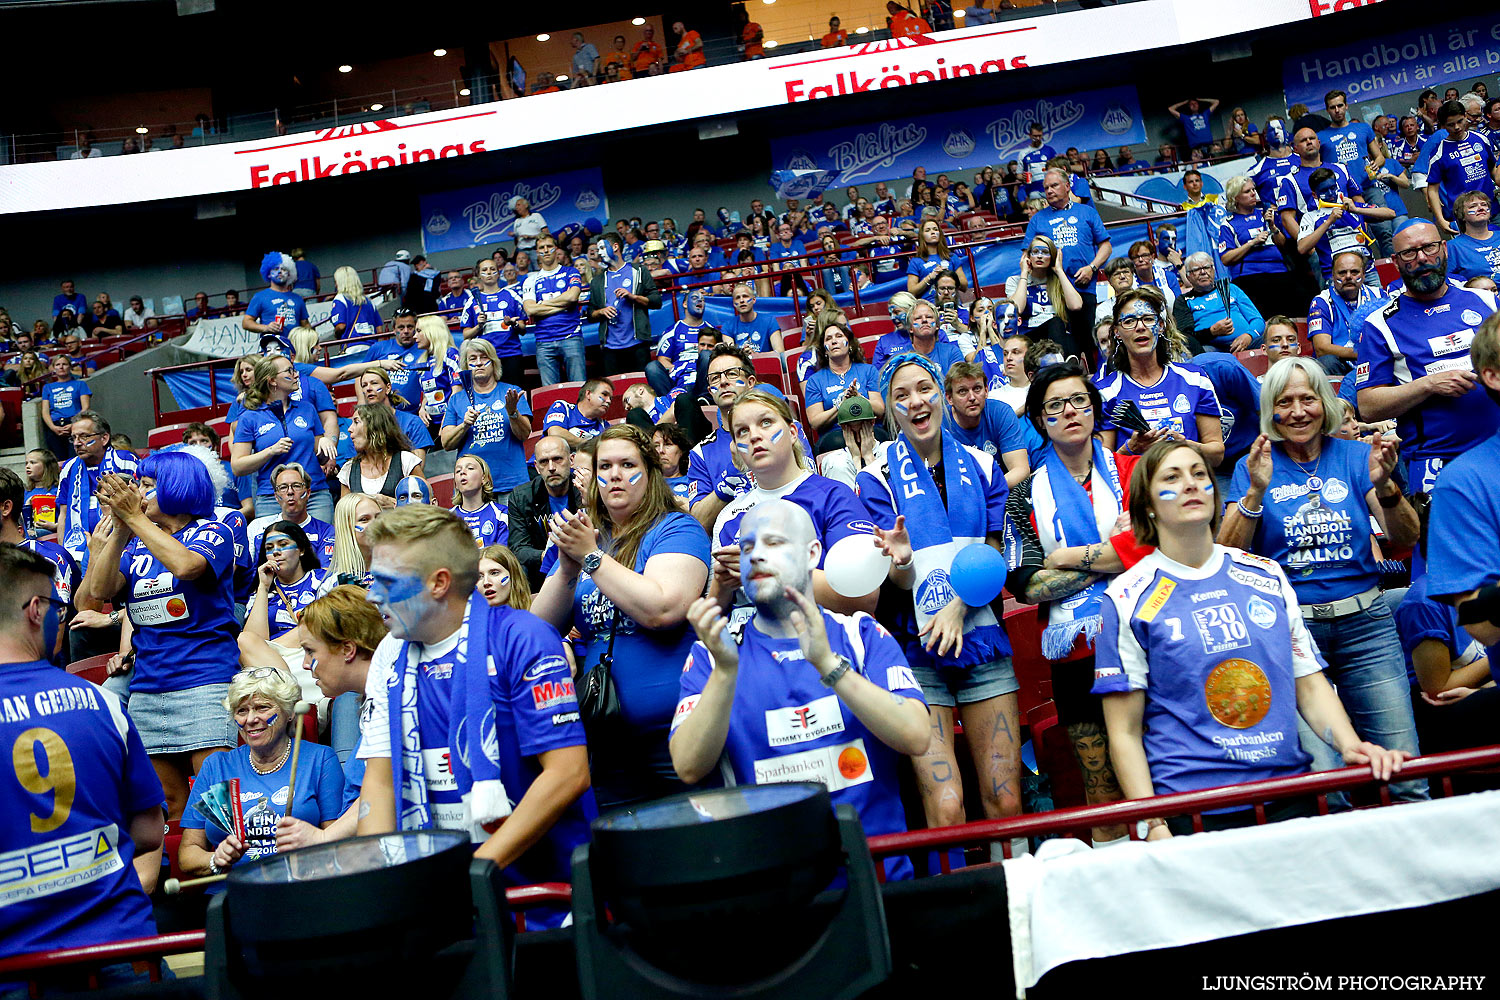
<point>800,694</point>
<point>1414,363</point>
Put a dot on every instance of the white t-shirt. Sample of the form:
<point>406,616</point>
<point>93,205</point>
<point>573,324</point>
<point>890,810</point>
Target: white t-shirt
<point>1013,396</point>
<point>92,154</point>
<point>409,461</point>
<point>138,319</point>
<point>527,230</point>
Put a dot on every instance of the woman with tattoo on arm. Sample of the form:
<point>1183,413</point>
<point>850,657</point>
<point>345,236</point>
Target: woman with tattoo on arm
<point>1058,527</point>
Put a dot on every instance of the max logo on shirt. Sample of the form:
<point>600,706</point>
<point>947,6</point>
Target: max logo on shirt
<point>550,693</point>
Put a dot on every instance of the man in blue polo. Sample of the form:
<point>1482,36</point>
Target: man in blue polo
<point>1084,246</point>
<point>1414,362</point>
<point>551,297</point>
<point>1462,160</point>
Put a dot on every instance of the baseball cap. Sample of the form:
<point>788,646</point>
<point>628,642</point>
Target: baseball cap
<point>403,255</point>
<point>855,408</point>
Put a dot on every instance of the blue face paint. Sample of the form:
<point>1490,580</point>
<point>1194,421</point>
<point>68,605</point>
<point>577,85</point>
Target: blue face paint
<point>936,399</point>
<point>742,445</point>
<point>1275,418</point>
<point>603,482</point>
<point>777,436</point>
<point>635,478</point>
<point>1167,494</point>
<point>901,407</point>
<point>1051,420</point>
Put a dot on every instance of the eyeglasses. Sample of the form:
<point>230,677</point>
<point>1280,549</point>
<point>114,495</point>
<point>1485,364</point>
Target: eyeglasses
<point>56,602</point>
<point>256,673</point>
<point>1079,401</point>
<point>1432,249</point>
<point>85,438</point>
<point>1136,321</point>
<point>292,489</point>
<point>1205,269</point>
<point>728,376</point>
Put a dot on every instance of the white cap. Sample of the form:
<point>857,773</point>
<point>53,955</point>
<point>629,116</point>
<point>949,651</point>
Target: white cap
<point>403,255</point>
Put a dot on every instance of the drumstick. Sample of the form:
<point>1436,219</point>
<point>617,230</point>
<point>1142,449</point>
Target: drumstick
<point>299,714</point>
<point>172,886</point>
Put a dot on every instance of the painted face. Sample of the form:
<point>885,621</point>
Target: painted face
<point>1182,491</point>
<point>259,721</point>
<point>494,582</point>
<point>400,591</point>
<point>1329,192</point>
<point>918,401</point>
<point>776,552</point>
<point>413,489</point>
<point>1073,419</point>
<point>621,475</point>
<point>320,658</point>
<point>373,388</point>
<point>762,438</point>
<point>1281,341</point>
<point>1141,328</point>
<point>282,552</point>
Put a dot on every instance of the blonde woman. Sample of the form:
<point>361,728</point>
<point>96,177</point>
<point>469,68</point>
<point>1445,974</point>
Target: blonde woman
<point>276,428</point>
<point>439,366</point>
<point>353,315</point>
<point>351,553</point>
<point>305,343</point>
<point>501,578</point>
<point>477,503</point>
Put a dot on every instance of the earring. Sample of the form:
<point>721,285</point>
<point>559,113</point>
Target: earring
<point>1150,513</point>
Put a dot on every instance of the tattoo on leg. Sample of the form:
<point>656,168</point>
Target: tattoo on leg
<point>941,770</point>
<point>897,699</point>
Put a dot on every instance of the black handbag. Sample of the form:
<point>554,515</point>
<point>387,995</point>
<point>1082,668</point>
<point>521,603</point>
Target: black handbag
<point>598,700</point>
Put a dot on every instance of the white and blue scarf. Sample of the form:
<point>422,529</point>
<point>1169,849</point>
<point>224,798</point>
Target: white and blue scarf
<point>1066,516</point>
<point>475,760</point>
<point>83,499</point>
<point>937,535</point>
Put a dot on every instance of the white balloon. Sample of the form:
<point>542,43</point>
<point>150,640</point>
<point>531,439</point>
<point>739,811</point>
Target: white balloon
<point>854,566</point>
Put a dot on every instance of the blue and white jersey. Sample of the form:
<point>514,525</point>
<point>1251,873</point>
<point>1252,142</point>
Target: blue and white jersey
<point>835,511</point>
<point>1039,305</point>
<point>66,576</point>
<point>1267,172</point>
<point>1034,162</point>
<point>754,335</point>
<point>1236,231</point>
<point>185,630</point>
<point>1409,339</point>
<point>358,321</point>
<point>1465,165</point>
<point>1175,401</point>
<point>882,269</point>
<point>827,387</point>
<point>244,559</point>
<point>1340,319</point>
<point>65,399</point>
<point>784,725</point>
<point>1348,234</point>
<point>1217,649</point>
<point>1078,233</point>
<point>319,533</point>
<point>999,430</point>
<point>1294,190</point>
<point>1317,522</point>
<point>712,458</point>
<point>322,796</point>
<point>540,285</point>
<point>490,524</point>
<point>438,380</point>
<point>494,313</point>
<point>491,437</point>
<point>1471,258</point>
<point>1348,145</point>
<point>267,305</point>
<point>620,331</point>
<point>567,416</point>
<point>78,495</point>
<point>456,305</point>
<point>679,346</point>
<point>287,601</point>
<point>80,774</point>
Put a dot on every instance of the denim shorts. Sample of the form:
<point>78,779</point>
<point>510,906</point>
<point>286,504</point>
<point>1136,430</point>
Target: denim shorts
<point>949,686</point>
<point>183,721</point>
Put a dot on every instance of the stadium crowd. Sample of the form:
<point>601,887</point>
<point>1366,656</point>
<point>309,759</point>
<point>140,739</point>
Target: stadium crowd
<point>1253,548</point>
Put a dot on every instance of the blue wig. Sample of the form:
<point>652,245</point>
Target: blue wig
<point>277,268</point>
<point>182,483</point>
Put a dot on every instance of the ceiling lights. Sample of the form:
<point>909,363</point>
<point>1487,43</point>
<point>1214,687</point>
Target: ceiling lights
<point>440,52</point>
<point>638,21</point>
<point>543,37</point>
<point>376,107</point>
<point>346,68</point>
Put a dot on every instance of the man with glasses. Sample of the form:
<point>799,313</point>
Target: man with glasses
<point>1337,314</point>
<point>293,490</point>
<point>1414,364</point>
<point>712,473</point>
<point>551,297</point>
<point>1219,316</point>
<point>78,482</point>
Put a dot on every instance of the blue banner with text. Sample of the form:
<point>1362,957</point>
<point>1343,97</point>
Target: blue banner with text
<point>891,149</point>
<point>1433,55</point>
<point>472,217</point>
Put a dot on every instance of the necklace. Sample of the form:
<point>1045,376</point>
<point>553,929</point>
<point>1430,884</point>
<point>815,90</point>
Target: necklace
<point>285,751</point>
<point>1084,476</point>
<point>1314,481</point>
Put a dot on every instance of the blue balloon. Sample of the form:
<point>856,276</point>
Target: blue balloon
<point>978,574</point>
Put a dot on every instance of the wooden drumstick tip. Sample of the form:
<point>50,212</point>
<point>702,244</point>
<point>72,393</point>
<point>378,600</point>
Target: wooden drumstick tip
<point>301,708</point>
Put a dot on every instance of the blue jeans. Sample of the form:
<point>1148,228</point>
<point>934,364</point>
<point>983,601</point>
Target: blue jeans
<point>552,357</point>
<point>1367,669</point>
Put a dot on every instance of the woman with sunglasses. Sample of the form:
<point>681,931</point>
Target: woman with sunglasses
<point>260,702</point>
<point>1178,401</point>
<point>491,420</point>
<point>1205,665</point>
<point>159,552</point>
<point>277,428</point>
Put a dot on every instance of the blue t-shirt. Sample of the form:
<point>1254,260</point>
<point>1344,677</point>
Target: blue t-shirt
<point>567,416</point>
<point>1408,339</point>
<point>78,303</point>
<point>646,660</point>
<point>1238,230</point>
<point>1349,146</point>
<point>1175,401</point>
<point>711,458</point>
<point>835,511</point>
<point>944,353</point>
<point>753,335</point>
<point>1267,172</point>
<point>1034,162</point>
<point>494,313</point>
<point>921,267</point>
<point>1078,232</point>
<point>785,725</point>
<point>1217,649</point>
<point>1419,618</point>
<point>307,388</point>
<point>65,399</point>
<point>1471,258</point>
<point>1330,313</point>
<point>265,425</point>
<point>679,345</point>
<point>998,431</point>
<point>358,321</point>
<point>322,796</point>
<point>491,437</point>
<point>827,387</point>
<point>185,630</point>
<point>307,277</point>
<point>68,880</point>
<point>1198,126</point>
<point>489,524</point>
<point>1238,393</point>
<point>282,616</point>
<point>1456,167</point>
<point>541,285</point>
<point>66,576</point>
<point>1465,509</point>
<point>1317,527</point>
<point>620,331</point>
<point>682,487</point>
<point>267,304</point>
<point>405,382</point>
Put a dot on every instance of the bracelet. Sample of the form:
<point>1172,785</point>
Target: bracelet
<point>1247,512</point>
<point>213,866</point>
<point>906,565</point>
<point>1088,557</point>
<point>1392,501</point>
<point>114,617</point>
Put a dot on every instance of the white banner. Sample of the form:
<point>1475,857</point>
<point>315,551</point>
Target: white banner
<point>226,336</point>
<point>721,90</point>
<point>1167,187</point>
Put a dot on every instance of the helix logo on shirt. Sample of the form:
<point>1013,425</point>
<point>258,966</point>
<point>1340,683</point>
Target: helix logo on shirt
<point>1157,599</point>
<point>801,723</point>
<point>550,693</point>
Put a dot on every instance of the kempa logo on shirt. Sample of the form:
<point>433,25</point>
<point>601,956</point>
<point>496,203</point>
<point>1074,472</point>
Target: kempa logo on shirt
<point>899,677</point>
<point>802,723</point>
<point>836,767</point>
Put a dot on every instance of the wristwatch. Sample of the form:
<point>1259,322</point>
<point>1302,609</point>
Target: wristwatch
<point>592,560</point>
<point>833,676</point>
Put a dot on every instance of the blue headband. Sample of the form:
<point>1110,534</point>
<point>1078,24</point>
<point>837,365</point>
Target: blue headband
<point>907,358</point>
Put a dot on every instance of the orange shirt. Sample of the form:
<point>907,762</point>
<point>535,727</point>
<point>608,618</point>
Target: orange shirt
<point>748,36</point>
<point>905,25</point>
<point>612,59</point>
<point>691,59</point>
<point>835,38</point>
<point>644,54</point>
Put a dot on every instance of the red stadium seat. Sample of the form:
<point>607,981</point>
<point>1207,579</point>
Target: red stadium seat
<point>530,444</point>
<point>1386,268</point>
<point>793,337</point>
<point>346,407</point>
<point>788,322</point>
<point>620,383</point>
<point>1255,360</point>
<point>442,489</point>
<point>768,369</point>
<point>547,395</point>
<point>867,346</point>
<point>871,326</point>
<point>91,669</point>
<point>160,437</point>
<point>793,358</point>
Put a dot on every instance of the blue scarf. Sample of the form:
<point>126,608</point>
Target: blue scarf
<point>937,534</point>
<point>1065,516</point>
<point>475,760</point>
<point>82,500</point>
